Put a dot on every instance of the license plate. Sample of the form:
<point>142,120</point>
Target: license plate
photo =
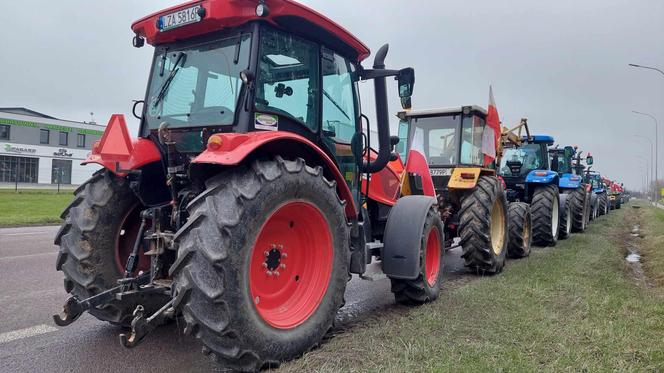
<point>180,18</point>
<point>440,171</point>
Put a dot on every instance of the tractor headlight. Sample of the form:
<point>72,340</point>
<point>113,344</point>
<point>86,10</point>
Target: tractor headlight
<point>262,10</point>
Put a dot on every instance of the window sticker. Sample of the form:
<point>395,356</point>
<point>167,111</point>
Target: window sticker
<point>266,122</point>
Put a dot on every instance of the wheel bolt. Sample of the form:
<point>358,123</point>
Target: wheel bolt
<point>281,247</point>
<point>283,266</point>
<point>264,265</point>
<point>273,246</point>
<point>257,300</point>
<point>276,273</point>
<point>266,253</point>
<point>284,255</point>
<point>269,273</point>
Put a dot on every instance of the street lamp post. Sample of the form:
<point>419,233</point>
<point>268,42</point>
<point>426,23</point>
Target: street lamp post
<point>648,175</point>
<point>652,159</point>
<point>656,125</point>
<point>656,146</point>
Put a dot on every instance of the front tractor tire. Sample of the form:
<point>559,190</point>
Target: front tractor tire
<point>262,263</point>
<point>545,208</point>
<point>603,204</point>
<point>520,230</point>
<point>484,226</point>
<point>97,235</point>
<point>426,287</point>
<point>579,206</point>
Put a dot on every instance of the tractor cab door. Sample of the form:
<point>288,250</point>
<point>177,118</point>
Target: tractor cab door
<point>476,141</point>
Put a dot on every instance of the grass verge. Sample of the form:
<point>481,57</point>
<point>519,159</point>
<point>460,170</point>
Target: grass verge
<point>32,207</point>
<point>652,248</point>
<point>574,307</point>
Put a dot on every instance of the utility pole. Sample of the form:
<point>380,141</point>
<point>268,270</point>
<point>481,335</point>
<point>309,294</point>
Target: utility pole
<point>656,149</point>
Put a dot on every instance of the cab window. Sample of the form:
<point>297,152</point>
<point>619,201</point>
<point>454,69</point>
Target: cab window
<point>339,113</point>
<point>403,140</point>
<point>472,133</point>
<point>287,82</point>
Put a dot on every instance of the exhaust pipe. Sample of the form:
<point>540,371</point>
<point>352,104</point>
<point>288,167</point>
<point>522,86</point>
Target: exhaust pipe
<point>382,116</point>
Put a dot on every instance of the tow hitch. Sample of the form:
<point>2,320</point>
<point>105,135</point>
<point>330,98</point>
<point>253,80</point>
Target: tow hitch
<point>141,327</point>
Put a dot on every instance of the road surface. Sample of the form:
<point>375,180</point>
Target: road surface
<point>31,291</point>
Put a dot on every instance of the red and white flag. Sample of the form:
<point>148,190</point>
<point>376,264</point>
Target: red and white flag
<point>491,132</point>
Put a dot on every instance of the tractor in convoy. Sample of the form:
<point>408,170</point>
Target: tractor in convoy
<point>574,195</point>
<point>600,195</point>
<point>444,154</point>
<point>615,193</point>
<point>238,206</point>
<point>525,169</point>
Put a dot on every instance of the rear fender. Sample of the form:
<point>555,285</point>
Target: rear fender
<point>232,149</point>
<point>118,152</point>
<point>385,184</point>
<point>403,235</point>
<point>417,164</point>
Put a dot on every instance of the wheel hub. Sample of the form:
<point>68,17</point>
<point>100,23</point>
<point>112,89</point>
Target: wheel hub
<point>274,260</point>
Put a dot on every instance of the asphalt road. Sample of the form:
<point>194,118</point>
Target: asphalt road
<point>31,291</point>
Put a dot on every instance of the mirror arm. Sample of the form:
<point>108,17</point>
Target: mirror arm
<point>368,74</point>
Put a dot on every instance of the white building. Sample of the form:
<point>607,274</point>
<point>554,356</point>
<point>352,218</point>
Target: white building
<point>39,149</point>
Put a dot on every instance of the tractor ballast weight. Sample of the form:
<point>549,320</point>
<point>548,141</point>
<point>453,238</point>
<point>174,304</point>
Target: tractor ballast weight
<point>237,205</point>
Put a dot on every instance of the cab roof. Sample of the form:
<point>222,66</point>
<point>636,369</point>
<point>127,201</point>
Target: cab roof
<point>541,139</point>
<point>443,111</point>
<point>223,14</point>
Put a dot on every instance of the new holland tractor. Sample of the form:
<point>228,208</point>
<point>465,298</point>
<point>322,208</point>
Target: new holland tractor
<point>448,147</point>
<point>237,207</point>
<point>600,196</point>
<point>573,192</point>
<point>528,178</point>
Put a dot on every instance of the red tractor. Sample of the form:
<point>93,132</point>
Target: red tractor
<point>238,206</point>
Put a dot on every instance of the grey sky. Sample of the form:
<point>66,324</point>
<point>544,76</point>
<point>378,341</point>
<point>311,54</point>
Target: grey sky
<point>562,64</point>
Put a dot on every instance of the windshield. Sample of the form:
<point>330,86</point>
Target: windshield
<point>436,136</point>
<point>520,161</point>
<point>563,166</point>
<point>596,182</point>
<point>197,85</point>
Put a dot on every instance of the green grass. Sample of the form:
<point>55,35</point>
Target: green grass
<point>653,247</point>
<point>32,207</point>
<point>575,307</point>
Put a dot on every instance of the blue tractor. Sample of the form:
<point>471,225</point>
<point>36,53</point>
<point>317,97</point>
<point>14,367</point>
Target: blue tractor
<point>528,178</point>
<point>574,194</point>
<point>599,198</point>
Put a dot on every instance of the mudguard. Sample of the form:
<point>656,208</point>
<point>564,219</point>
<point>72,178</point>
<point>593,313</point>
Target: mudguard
<point>118,152</point>
<point>569,181</point>
<point>562,204</point>
<point>417,164</point>
<point>542,177</point>
<point>230,149</point>
<point>403,236</point>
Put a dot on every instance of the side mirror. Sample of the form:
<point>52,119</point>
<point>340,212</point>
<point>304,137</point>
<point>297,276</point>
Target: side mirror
<point>554,163</point>
<point>406,80</point>
<point>589,160</point>
<point>569,151</point>
<point>406,103</point>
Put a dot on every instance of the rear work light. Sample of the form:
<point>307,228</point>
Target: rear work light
<point>540,173</point>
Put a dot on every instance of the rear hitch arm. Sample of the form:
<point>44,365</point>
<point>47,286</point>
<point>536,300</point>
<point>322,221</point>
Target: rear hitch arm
<point>141,326</point>
<point>74,308</point>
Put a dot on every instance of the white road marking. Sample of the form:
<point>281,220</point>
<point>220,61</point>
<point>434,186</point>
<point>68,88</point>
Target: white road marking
<point>24,233</point>
<point>25,333</point>
<point>28,256</point>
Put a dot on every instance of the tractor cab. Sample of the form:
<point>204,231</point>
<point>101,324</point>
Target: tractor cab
<point>450,139</point>
<point>526,164</point>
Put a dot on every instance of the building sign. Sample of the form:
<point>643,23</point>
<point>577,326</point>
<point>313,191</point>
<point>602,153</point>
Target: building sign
<point>62,153</point>
<point>19,149</point>
<point>55,127</point>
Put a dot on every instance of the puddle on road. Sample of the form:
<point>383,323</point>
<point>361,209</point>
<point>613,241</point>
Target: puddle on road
<point>633,258</point>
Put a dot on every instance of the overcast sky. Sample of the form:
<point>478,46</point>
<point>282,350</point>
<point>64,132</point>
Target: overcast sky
<point>562,64</point>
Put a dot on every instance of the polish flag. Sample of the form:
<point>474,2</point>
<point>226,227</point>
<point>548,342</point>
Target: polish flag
<point>491,132</point>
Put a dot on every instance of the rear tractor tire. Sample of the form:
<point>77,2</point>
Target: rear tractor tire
<point>520,230</point>
<point>262,263</point>
<point>545,208</point>
<point>484,226</point>
<point>603,205</point>
<point>98,233</point>
<point>579,208</point>
<point>565,229</point>
<point>426,287</point>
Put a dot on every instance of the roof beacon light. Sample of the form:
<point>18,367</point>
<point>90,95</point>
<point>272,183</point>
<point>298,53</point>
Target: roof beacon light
<point>262,9</point>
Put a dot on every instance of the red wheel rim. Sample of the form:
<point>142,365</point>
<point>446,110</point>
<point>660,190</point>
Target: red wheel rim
<point>126,237</point>
<point>291,264</point>
<point>432,258</point>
